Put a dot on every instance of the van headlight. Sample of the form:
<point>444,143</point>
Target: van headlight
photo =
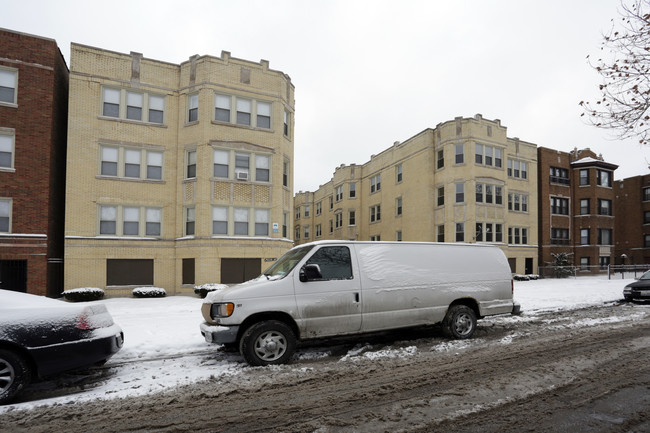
<point>222,310</point>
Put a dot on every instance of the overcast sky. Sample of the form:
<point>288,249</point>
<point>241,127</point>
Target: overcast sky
<point>369,73</point>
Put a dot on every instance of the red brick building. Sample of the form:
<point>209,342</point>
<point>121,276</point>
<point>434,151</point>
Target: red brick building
<point>632,205</point>
<point>33,130</point>
<point>576,207</point>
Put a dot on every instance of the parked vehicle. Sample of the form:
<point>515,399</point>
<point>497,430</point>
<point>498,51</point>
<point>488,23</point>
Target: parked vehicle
<point>638,290</point>
<point>332,288</point>
<point>41,337</point>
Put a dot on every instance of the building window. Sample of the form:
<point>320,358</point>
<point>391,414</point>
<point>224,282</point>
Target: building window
<point>134,105</point>
<point>319,231</point>
<point>603,262</point>
<point>222,108</point>
<point>193,108</point>
<point>398,236</point>
<point>584,263</point>
<point>517,235</point>
<point>107,220</point>
<point>559,206</point>
<point>190,218</point>
<point>190,169</point>
<point>338,220</point>
<point>478,235</point>
<point>646,194</point>
<point>5,215</point>
<point>262,171</point>
<point>353,190</point>
<point>297,236</point>
<point>488,232</point>
<point>498,233</point>
<point>559,176</point>
<point>460,154</point>
<point>263,115</point>
<point>398,206</point>
<point>285,173</point>
<point>375,183</point>
<point>241,222</point>
<point>220,161</point>
<point>559,236</point>
<point>306,211</point>
<point>489,194</point>
<point>8,85</point>
<point>398,173</point>
<point>604,207</point>
<point>111,106</point>
<point>331,202</point>
<point>375,238</point>
<point>584,236</point>
<point>131,221</point>
<point>153,218</point>
<point>285,224</point>
<point>604,178</point>
<point>460,193</point>
<point>488,155</point>
<point>331,226</point>
<point>604,236</point>
<point>132,163</point>
<point>242,164</point>
<point>584,176</point>
<point>517,169</point>
<point>262,223</point>
<point>219,220</point>
<point>306,232</point>
<point>298,213</point>
<point>441,196</point>
<point>156,109</point>
<point>460,232</point>
<point>243,111</point>
<point>646,241</point>
<point>319,208</point>
<point>352,218</point>
<point>646,217</point>
<point>375,213</point>
<point>441,159</point>
<point>339,193</point>
<point>286,124</point>
<point>440,233</point>
<point>6,150</point>
<point>584,206</point>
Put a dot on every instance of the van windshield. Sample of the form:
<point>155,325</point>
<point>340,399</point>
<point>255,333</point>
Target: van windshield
<point>286,263</point>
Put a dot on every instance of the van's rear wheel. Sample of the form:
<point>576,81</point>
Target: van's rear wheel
<point>268,343</point>
<point>460,322</point>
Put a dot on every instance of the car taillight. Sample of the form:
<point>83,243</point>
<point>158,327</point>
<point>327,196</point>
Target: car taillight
<point>83,322</point>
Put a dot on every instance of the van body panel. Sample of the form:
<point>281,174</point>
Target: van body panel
<point>370,286</point>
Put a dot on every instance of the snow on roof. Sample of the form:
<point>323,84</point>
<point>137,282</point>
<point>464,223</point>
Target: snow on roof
<point>586,159</point>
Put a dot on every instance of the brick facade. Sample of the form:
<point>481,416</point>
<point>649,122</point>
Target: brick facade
<point>33,184</point>
<point>632,208</point>
<point>576,207</point>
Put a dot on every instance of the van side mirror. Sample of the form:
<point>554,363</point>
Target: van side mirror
<point>310,272</point>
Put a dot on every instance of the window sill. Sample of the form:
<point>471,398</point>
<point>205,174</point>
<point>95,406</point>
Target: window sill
<point>7,170</point>
<point>129,179</point>
<point>131,121</point>
<point>8,104</point>
<point>237,125</point>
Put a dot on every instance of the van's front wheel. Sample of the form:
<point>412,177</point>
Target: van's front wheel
<point>267,343</point>
<point>460,322</point>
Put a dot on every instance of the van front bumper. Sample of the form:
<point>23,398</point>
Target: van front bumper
<point>219,334</point>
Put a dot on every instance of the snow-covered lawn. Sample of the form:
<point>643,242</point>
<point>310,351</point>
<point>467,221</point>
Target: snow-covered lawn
<point>164,348</point>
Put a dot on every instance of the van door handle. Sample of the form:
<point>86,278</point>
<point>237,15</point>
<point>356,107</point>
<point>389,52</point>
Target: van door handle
<point>356,297</point>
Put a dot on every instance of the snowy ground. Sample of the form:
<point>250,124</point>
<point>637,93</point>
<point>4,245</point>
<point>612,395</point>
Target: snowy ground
<point>164,348</point>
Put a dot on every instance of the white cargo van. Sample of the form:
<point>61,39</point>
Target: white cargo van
<point>332,288</point>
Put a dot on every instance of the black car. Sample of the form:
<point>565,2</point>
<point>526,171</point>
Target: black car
<point>638,290</point>
<point>40,337</point>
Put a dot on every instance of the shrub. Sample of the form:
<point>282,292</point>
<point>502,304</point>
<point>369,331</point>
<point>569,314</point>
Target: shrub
<point>533,276</point>
<point>83,294</point>
<point>149,292</point>
<point>519,277</point>
<point>204,289</point>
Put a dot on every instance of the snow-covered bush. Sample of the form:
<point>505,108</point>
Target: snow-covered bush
<point>149,292</point>
<point>519,277</point>
<point>203,289</point>
<point>533,276</point>
<point>83,294</point>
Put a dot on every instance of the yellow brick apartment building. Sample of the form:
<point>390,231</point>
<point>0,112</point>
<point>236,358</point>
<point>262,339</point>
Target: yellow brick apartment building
<point>463,181</point>
<point>177,175</point>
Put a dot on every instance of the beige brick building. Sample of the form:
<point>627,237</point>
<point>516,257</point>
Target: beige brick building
<point>176,174</point>
<point>463,181</point>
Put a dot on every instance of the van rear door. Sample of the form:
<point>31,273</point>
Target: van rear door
<point>329,303</point>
